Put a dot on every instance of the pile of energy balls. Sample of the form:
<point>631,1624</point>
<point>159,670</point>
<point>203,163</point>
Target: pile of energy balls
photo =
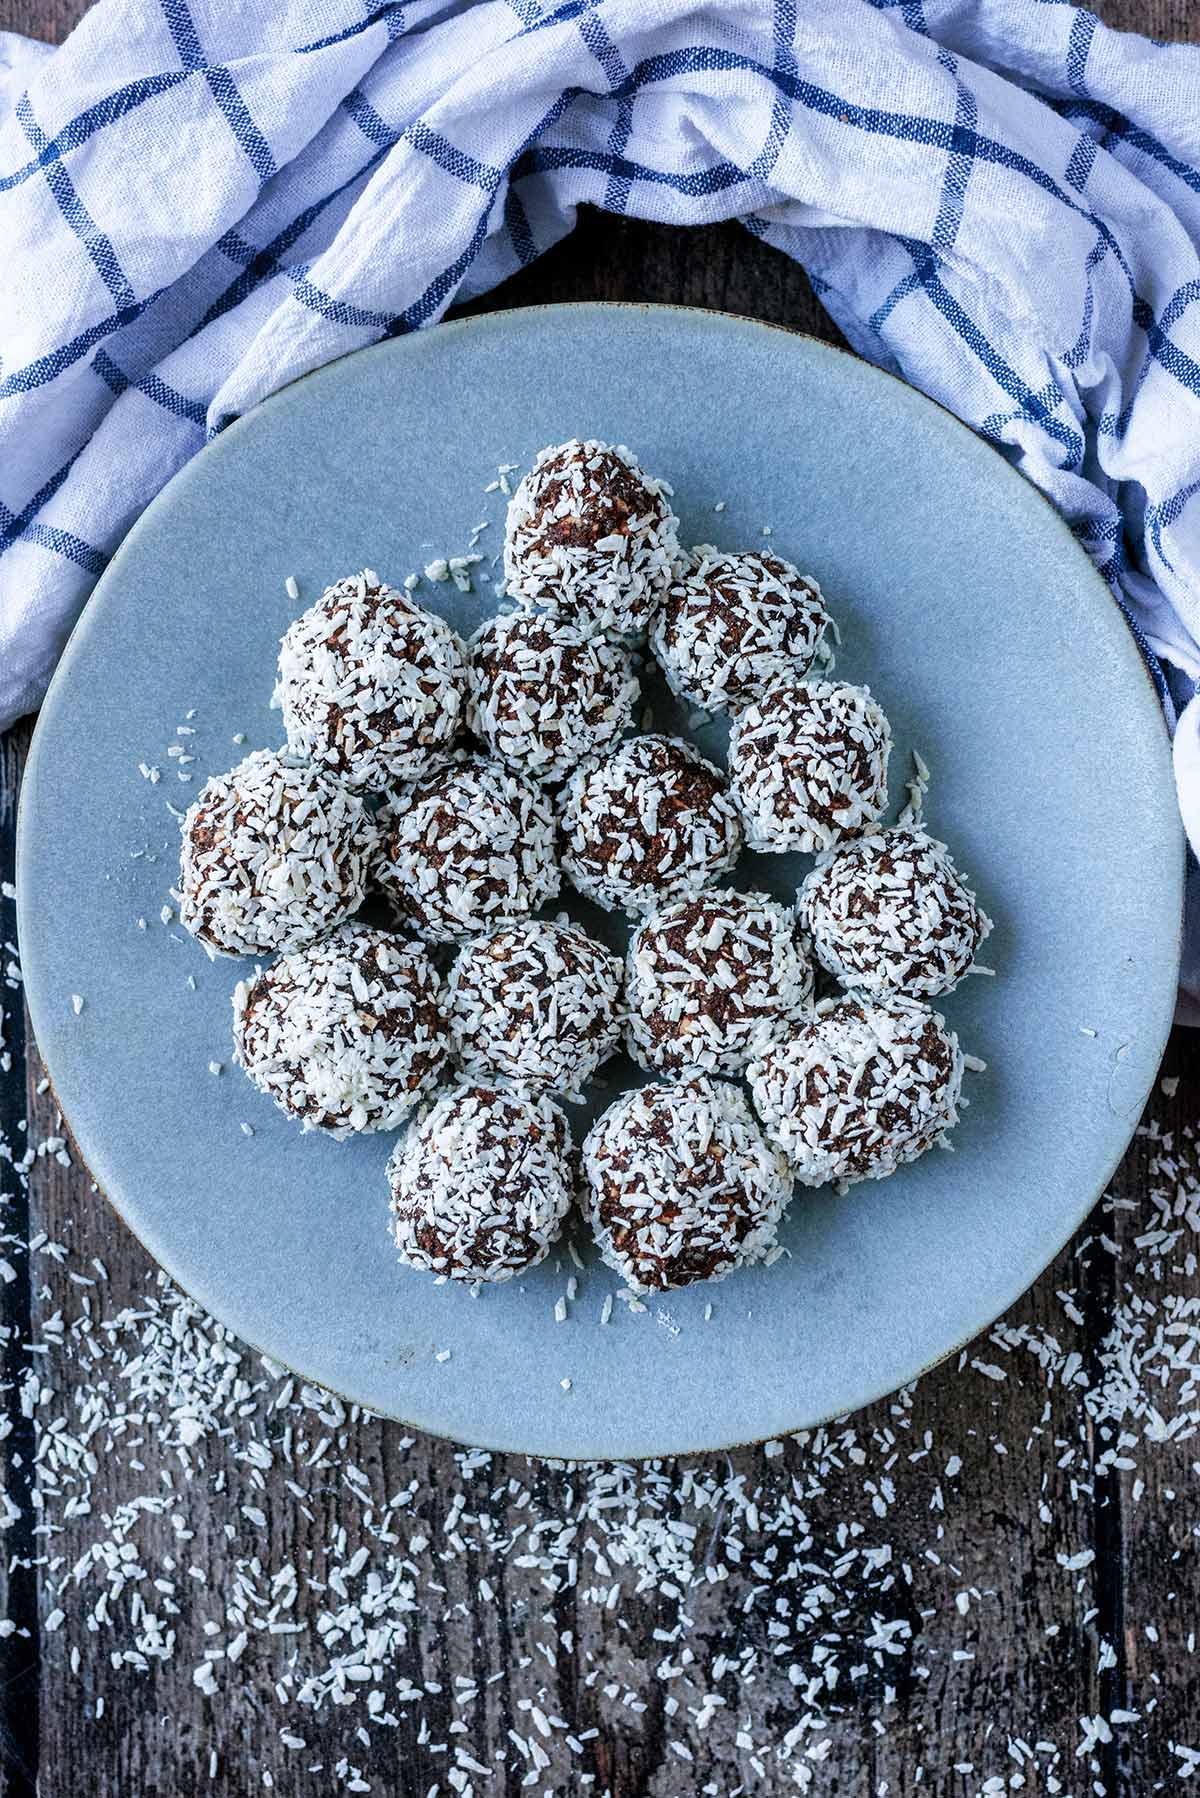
<point>464,783</point>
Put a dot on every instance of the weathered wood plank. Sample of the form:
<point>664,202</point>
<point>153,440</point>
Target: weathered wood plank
<point>20,1682</point>
<point>49,20</point>
<point>1028,1626</point>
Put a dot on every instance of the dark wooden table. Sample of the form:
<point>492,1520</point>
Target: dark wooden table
<point>219,1582</point>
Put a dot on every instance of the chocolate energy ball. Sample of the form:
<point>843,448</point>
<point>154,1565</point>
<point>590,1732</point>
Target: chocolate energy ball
<point>535,1004</point>
<point>370,685</point>
<point>345,1035</point>
<point>713,980</point>
<point>731,626</point>
<point>544,695</point>
<point>682,1184</point>
<point>591,537</point>
<point>652,820</point>
<point>862,1088</point>
<point>469,847</point>
<point>808,765</point>
<point>481,1184</point>
<point>274,855</point>
<point>890,912</point>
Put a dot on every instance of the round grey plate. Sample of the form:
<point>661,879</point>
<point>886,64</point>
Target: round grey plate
<point>964,603</point>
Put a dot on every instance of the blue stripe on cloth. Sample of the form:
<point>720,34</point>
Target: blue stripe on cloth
<point>620,186</point>
<point>453,161</point>
<point>109,373</point>
<point>1182,366</point>
<point>1180,300</point>
<point>717,179</point>
<point>183,33</point>
<point>49,536</point>
<point>414,316</point>
<point>381,15</point>
<point>591,30</point>
<point>95,241</point>
<point>439,290</point>
<point>907,284</point>
<point>519,232</point>
<point>113,107</point>
<point>1005,377</point>
<point>56,362</point>
<point>565,14</point>
<point>262,265</point>
<point>16,523</point>
<point>784,36</point>
<point>1160,517</point>
<point>154,388</point>
<point>65,543</point>
<point>1161,349</point>
<point>1153,666</point>
<point>1080,165</point>
<point>1079,45</point>
<point>995,425</point>
<point>603,49</point>
<point>1117,126</point>
<point>1094,527</point>
<point>1115,424</point>
<point>222,86</point>
<point>1081,347</point>
<point>1093,533</point>
<point>237,115</point>
<point>374,129</point>
<point>1176,361</point>
<point>908,127</point>
<point>961,160</point>
<point>1150,146</point>
<point>340,312</point>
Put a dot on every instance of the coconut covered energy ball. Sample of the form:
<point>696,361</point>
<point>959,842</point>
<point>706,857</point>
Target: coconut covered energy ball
<point>808,765</point>
<point>371,686</point>
<point>345,1035</point>
<point>713,980</point>
<point>544,694</point>
<point>682,1184</point>
<point>274,855</point>
<point>468,848</point>
<point>536,1004</point>
<point>731,626</point>
<point>862,1088</point>
<point>652,820</point>
<point>481,1184</point>
<point>891,913</point>
<point>591,537</point>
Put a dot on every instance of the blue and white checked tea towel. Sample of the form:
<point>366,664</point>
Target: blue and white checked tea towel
<point>998,200</point>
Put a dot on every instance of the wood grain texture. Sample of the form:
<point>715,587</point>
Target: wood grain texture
<point>962,1500</point>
